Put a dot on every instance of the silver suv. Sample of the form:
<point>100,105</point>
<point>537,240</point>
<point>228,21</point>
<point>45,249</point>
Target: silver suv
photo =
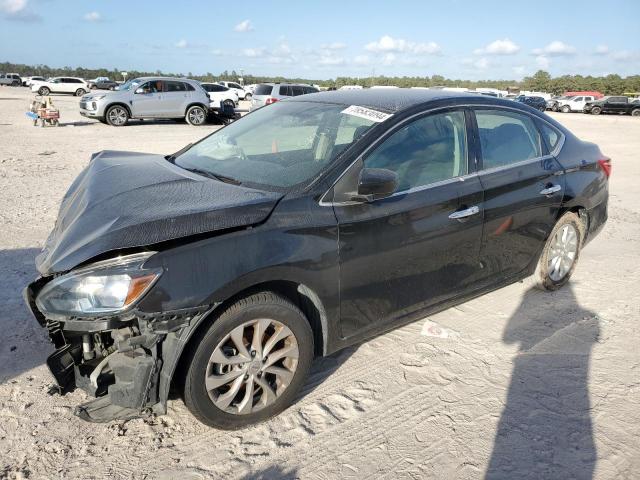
<point>267,93</point>
<point>149,97</point>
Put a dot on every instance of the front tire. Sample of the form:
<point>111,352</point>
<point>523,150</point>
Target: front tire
<point>196,115</point>
<point>44,91</point>
<point>247,97</point>
<point>560,254</point>
<point>635,112</point>
<point>117,116</point>
<point>565,109</point>
<point>80,92</point>
<point>250,364</point>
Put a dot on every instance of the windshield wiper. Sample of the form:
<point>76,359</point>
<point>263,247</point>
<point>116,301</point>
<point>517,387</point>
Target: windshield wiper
<point>171,158</point>
<point>216,176</point>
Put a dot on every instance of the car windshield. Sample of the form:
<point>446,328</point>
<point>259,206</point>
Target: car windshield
<point>278,146</point>
<point>134,82</point>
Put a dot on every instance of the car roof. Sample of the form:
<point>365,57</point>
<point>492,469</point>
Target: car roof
<point>393,100</point>
<point>178,79</point>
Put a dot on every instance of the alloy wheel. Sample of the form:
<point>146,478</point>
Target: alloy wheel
<point>196,116</point>
<point>117,116</point>
<point>563,252</point>
<point>252,366</point>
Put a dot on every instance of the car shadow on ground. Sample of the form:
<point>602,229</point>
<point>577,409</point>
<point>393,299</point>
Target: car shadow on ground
<point>272,472</point>
<point>25,344</point>
<point>545,430</point>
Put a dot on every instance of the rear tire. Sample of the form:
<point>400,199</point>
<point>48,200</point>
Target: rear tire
<point>117,116</point>
<point>566,109</point>
<point>80,92</point>
<point>560,253</point>
<point>247,97</point>
<point>270,393</point>
<point>196,115</point>
<point>596,111</point>
<point>44,91</point>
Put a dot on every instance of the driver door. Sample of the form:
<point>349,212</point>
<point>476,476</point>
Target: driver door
<point>420,246</point>
<point>147,100</point>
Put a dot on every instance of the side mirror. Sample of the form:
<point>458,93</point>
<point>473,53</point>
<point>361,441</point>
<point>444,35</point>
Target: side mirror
<point>141,90</point>
<point>375,183</point>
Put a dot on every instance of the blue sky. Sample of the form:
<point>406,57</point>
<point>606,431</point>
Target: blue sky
<point>327,38</point>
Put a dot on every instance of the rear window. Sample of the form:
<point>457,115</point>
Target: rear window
<point>263,90</point>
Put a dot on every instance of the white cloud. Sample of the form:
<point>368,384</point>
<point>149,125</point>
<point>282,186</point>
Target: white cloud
<point>499,47</point>
<point>624,55</point>
<point>602,50</point>
<point>388,59</point>
<point>331,61</point>
<point>519,70</point>
<point>542,62</point>
<point>362,60</point>
<point>253,52</point>
<point>244,26</point>
<point>93,17</point>
<point>12,6</point>
<point>334,46</point>
<point>387,44</point>
<point>182,44</point>
<point>217,52</point>
<point>555,49</point>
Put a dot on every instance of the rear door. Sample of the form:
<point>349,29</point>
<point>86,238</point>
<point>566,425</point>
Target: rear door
<point>403,253</point>
<point>174,99</point>
<point>523,188</point>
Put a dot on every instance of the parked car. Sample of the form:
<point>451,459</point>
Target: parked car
<point>268,93</point>
<point>96,80</point>
<point>296,231</point>
<point>538,103</point>
<point>149,97</point>
<point>12,79</point>
<point>27,81</point>
<point>103,84</point>
<point>552,103</point>
<point>219,94</point>
<point>574,104</point>
<point>73,85</point>
<point>612,104</point>
<point>239,89</point>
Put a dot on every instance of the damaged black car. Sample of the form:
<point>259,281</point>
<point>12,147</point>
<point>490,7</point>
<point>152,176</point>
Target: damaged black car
<point>222,270</point>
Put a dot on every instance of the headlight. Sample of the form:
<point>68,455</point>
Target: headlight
<point>102,288</point>
<point>98,97</point>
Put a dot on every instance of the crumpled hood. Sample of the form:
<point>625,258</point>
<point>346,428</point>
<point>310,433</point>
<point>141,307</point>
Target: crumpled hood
<point>124,199</point>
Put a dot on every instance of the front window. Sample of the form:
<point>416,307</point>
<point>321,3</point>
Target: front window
<point>130,84</point>
<point>277,147</point>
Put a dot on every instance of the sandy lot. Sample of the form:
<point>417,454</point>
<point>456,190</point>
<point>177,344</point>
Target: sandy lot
<point>517,384</point>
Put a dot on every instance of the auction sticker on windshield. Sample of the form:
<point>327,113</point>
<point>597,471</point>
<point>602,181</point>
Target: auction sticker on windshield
<point>367,113</point>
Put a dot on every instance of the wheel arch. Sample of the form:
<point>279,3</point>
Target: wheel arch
<point>196,104</point>
<point>297,293</point>
<point>122,104</point>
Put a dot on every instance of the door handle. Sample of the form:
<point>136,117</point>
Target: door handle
<point>467,212</point>
<point>550,190</point>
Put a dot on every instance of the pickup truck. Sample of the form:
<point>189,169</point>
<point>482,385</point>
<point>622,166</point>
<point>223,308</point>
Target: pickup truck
<point>613,104</point>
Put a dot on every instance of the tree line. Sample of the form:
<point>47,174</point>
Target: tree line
<point>541,81</point>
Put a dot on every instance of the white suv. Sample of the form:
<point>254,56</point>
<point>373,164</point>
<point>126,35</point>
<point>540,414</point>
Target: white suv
<point>574,104</point>
<point>74,85</point>
<point>219,94</point>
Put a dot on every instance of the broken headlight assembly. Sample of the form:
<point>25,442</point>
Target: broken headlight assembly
<point>103,288</point>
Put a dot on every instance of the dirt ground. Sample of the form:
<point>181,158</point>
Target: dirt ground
<point>515,384</point>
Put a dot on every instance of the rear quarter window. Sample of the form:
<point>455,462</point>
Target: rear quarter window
<point>263,90</point>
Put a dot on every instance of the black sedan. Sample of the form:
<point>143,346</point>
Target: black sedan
<point>538,103</point>
<point>305,227</point>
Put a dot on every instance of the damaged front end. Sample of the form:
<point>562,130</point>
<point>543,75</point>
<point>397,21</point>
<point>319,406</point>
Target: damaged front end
<point>104,345</point>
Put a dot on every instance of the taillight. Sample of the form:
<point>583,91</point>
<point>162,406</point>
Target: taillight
<point>605,165</point>
<point>271,100</point>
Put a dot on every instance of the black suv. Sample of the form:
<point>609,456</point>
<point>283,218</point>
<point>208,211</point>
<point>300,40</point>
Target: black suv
<point>619,104</point>
<point>305,227</point>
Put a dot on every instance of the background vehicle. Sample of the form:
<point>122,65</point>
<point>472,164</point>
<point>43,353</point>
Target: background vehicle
<point>538,103</point>
<point>552,103</point>
<point>361,210</point>
<point>26,81</point>
<point>236,87</point>
<point>102,84</point>
<point>573,104</point>
<point>149,97</point>
<point>267,93</point>
<point>12,79</point>
<point>219,94</point>
<point>73,85</point>
<point>613,104</point>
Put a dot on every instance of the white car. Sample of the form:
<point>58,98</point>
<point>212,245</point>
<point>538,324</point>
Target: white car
<point>574,104</point>
<point>27,81</point>
<point>219,94</point>
<point>236,87</point>
<point>73,85</point>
